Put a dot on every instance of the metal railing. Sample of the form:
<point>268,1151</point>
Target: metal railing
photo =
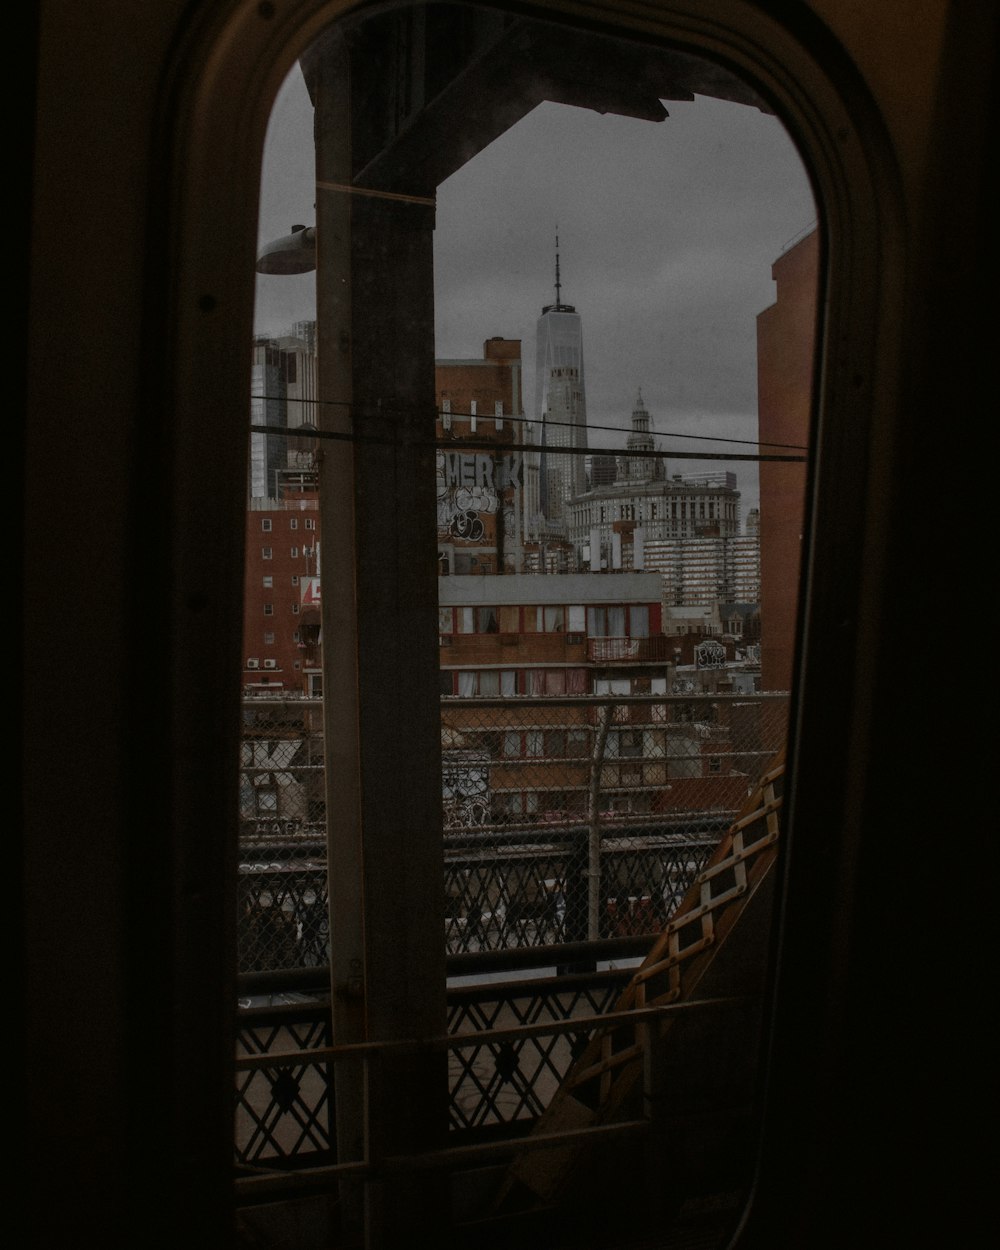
<point>564,819</point>
<point>646,786</point>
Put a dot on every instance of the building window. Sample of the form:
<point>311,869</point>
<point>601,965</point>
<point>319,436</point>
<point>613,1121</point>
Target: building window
<point>265,524</point>
<point>295,579</point>
<point>309,523</point>
<point>266,800</point>
<point>269,609</point>
<point>295,609</point>
<point>555,743</point>
<point>487,621</point>
<point>638,621</point>
<point>267,582</point>
<point>553,620</point>
<point>489,684</point>
<point>294,553</point>
<point>268,639</point>
<point>293,523</point>
<point>607,622</point>
<point>265,553</point>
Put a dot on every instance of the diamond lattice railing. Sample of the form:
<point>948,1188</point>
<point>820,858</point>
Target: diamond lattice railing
<point>564,820</point>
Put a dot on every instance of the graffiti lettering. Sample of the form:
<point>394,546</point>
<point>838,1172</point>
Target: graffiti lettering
<point>467,526</point>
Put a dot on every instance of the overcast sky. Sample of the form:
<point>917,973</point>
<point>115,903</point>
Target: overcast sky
<point>667,234</point>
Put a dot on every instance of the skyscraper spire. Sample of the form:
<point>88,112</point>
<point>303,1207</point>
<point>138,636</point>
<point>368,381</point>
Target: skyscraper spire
<point>558,306</point>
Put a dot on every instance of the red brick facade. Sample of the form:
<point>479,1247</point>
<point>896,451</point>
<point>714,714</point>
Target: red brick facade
<point>281,619</point>
<point>786,339</point>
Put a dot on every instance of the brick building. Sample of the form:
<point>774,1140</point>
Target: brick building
<point>281,617</point>
<point>480,514</point>
<point>525,661</point>
<point>786,334</point>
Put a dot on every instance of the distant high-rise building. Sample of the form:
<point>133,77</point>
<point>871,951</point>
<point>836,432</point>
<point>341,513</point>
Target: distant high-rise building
<point>282,396</point>
<point>610,523</point>
<point>603,470</point>
<point>560,406</point>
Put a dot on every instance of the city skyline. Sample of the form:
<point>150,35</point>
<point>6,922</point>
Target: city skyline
<point>667,231</point>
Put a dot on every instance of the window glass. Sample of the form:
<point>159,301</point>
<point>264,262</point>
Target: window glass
<point>554,619</point>
<point>487,621</point>
<point>489,683</point>
<point>610,251</point>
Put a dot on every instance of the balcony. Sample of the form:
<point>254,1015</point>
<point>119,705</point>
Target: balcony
<point>617,650</point>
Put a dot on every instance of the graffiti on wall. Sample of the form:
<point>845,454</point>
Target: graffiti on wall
<point>469,489</point>
<point>465,789</point>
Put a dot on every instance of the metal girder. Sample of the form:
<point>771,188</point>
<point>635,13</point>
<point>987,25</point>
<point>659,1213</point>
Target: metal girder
<point>434,85</point>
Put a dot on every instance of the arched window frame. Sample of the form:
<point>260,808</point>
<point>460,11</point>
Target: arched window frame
<point>199,328</point>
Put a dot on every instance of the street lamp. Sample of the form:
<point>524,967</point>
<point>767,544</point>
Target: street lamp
<point>293,253</point>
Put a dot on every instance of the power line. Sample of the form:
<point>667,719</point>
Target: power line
<point>387,410</point>
<point>472,444</point>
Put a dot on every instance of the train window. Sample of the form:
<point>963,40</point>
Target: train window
<point>512,949</point>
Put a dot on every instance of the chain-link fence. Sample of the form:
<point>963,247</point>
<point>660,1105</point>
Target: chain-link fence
<point>564,820</point>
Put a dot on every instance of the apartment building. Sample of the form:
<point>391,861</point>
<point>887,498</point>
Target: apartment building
<point>547,685</point>
<point>281,600</point>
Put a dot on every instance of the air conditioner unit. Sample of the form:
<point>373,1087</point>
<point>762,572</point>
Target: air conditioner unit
<point>254,663</point>
<point>270,663</point>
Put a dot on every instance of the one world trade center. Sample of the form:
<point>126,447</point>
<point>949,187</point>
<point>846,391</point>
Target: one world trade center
<point>560,404</point>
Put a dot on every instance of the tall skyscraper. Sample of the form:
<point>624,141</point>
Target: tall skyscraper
<point>282,395</point>
<point>560,405</point>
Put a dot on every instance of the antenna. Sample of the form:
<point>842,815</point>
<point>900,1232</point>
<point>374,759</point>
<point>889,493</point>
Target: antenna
<point>558,306</point>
